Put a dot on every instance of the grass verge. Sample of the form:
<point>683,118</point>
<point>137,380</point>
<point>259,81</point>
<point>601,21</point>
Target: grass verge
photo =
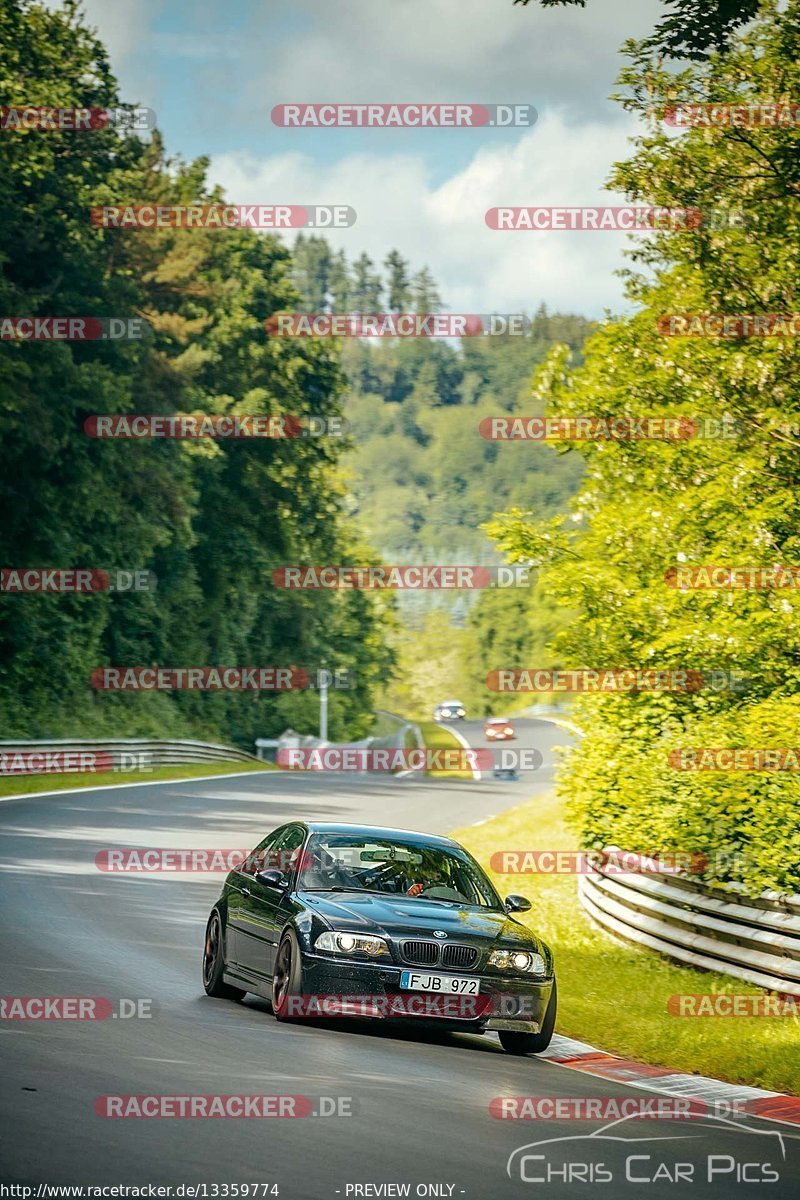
<point>438,737</point>
<point>21,785</point>
<point>614,995</point>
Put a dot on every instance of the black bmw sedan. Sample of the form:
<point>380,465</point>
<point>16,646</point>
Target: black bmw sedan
<point>328,920</point>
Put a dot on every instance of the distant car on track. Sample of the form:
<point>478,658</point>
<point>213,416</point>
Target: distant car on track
<point>509,773</point>
<point>498,729</point>
<point>407,922</point>
<point>450,710</point>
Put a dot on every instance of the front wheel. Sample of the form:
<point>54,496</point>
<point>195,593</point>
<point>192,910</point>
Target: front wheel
<point>287,980</point>
<point>532,1043</point>
<point>214,963</point>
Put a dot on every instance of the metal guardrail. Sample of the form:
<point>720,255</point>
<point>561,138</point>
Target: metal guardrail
<point>290,740</point>
<point>124,753</point>
<point>754,939</point>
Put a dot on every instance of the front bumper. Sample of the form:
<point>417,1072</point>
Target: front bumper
<point>374,991</point>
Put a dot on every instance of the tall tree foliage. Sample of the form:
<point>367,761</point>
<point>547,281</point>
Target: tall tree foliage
<point>366,287</point>
<point>398,287</point>
<point>647,507</point>
<point>692,29</point>
<point>211,520</point>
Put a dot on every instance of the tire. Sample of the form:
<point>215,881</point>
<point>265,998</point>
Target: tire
<point>532,1043</point>
<point>287,980</point>
<point>214,962</point>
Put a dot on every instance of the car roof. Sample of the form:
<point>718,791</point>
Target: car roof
<point>450,703</point>
<point>497,721</point>
<point>378,831</point>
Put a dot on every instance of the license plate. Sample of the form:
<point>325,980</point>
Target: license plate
<point>451,985</point>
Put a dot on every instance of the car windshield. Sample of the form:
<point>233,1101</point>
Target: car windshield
<point>353,862</point>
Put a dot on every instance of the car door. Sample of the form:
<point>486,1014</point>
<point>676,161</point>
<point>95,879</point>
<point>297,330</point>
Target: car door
<point>265,909</point>
<point>240,884</point>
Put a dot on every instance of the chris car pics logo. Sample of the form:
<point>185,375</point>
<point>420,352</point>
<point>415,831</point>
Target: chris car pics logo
<point>614,1154</point>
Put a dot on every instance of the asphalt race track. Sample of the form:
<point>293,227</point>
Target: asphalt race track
<point>420,1101</point>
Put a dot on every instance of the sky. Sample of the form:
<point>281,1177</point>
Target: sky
<point>213,72</point>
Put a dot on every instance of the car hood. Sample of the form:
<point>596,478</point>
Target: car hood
<point>409,916</point>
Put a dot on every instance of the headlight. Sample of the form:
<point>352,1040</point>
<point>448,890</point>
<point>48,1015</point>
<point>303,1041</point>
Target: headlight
<point>351,943</point>
<point>518,960</point>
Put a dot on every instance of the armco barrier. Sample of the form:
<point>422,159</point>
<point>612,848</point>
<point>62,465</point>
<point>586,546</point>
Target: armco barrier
<point>134,753</point>
<point>398,740</point>
<point>754,939</point>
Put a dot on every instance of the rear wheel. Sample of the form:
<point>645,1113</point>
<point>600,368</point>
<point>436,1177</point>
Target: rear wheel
<point>532,1043</point>
<point>287,980</point>
<point>214,962</point>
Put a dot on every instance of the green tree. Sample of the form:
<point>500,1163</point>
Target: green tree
<point>340,283</point>
<point>211,519</point>
<point>312,268</point>
<point>367,286</point>
<point>432,665</point>
<point>425,296</point>
<point>692,29</point>
<point>398,290</point>
<point>728,496</point>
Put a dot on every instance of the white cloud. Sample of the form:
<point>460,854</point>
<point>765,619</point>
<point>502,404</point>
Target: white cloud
<point>486,51</point>
<point>476,50</point>
<point>478,269</point>
<point>124,26</point>
<point>424,192</point>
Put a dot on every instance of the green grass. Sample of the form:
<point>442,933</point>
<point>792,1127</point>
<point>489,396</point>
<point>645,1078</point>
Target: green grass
<point>614,995</point>
<point>20,785</point>
<point>385,725</point>
<point>438,737</point>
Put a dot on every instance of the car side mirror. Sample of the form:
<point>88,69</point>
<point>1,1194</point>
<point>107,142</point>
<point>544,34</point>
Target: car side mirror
<point>517,904</point>
<point>271,878</point>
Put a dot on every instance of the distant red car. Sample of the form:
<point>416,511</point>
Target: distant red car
<point>498,729</point>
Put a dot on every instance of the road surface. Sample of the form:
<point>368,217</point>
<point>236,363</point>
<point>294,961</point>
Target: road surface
<point>421,1101</point>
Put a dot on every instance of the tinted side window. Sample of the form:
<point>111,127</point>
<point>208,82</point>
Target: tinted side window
<point>286,850</point>
<point>258,859</point>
